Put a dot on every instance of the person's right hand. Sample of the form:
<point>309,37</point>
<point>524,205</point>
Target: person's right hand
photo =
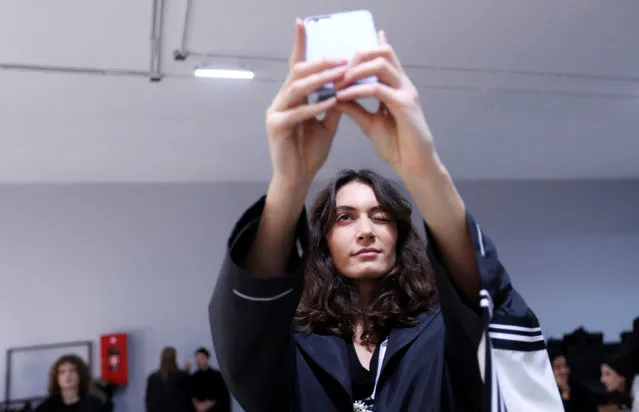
<point>298,142</point>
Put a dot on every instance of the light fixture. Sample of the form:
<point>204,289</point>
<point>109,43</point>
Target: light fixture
<point>224,74</point>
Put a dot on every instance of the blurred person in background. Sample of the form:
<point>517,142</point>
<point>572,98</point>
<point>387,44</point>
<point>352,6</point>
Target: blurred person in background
<point>575,397</point>
<point>166,388</point>
<point>207,388</point>
<point>616,376</point>
<point>68,388</point>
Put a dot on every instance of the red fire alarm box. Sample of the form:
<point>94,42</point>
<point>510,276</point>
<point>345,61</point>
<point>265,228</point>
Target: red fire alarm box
<point>114,358</point>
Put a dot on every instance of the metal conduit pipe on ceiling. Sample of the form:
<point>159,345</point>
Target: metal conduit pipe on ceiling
<point>155,70</point>
<point>183,52</point>
<point>73,70</point>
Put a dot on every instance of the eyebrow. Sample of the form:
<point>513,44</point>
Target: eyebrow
<point>377,208</point>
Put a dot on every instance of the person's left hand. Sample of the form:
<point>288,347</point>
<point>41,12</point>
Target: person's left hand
<point>398,130</point>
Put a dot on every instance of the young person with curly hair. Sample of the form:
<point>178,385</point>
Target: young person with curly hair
<point>351,310</point>
<point>68,388</point>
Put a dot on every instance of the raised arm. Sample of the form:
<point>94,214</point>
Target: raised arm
<point>260,284</point>
<point>255,300</point>
<point>402,138</point>
<point>444,212</point>
<point>508,331</point>
<point>275,237</point>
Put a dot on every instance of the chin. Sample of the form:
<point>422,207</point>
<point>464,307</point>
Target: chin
<point>365,272</point>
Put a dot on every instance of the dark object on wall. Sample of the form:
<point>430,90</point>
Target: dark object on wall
<point>631,347</point>
<point>17,407</point>
<point>8,402</point>
<point>585,351</point>
<point>105,392</point>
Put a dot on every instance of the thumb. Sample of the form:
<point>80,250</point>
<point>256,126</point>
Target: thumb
<point>359,115</point>
<point>299,47</point>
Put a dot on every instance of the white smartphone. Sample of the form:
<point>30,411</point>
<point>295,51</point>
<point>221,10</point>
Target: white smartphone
<point>339,36</point>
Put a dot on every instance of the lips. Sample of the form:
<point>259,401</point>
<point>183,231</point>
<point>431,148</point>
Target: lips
<point>367,250</point>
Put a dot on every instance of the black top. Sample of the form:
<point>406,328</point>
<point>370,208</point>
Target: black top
<point>167,393</point>
<point>209,385</point>
<point>581,400</point>
<point>362,379</point>
<point>88,403</point>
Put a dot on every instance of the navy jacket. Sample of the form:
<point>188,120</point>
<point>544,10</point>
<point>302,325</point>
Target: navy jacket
<point>445,363</point>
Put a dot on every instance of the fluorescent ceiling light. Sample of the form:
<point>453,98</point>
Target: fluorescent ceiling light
<point>224,74</point>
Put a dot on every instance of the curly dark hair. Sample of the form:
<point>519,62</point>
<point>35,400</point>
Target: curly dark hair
<point>80,366</point>
<point>329,302</point>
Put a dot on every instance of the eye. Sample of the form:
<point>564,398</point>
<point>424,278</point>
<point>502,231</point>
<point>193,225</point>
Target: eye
<point>382,217</point>
<point>343,218</point>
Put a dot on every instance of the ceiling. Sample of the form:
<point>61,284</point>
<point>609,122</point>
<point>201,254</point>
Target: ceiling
<point>539,89</point>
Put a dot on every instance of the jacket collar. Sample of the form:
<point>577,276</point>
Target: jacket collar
<point>329,352</point>
<point>399,338</point>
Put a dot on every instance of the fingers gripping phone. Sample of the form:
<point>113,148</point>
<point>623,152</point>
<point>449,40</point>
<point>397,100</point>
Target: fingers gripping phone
<point>339,36</point>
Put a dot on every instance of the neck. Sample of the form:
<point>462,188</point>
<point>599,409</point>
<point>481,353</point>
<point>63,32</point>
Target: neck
<point>366,291</point>
<point>69,396</point>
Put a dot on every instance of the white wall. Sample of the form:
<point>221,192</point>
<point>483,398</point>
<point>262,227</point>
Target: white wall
<point>80,260</point>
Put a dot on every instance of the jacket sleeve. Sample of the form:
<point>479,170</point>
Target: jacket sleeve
<point>222,398</point>
<point>252,320</point>
<point>501,337</point>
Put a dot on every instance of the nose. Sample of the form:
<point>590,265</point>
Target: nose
<point>365,230</point>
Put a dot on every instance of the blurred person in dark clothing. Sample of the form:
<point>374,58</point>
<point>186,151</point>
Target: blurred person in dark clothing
<point>68,388</point>
<point>575,397</point>
<point>616,376</point>
<point>166,388</point>
<point>208,390</point>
